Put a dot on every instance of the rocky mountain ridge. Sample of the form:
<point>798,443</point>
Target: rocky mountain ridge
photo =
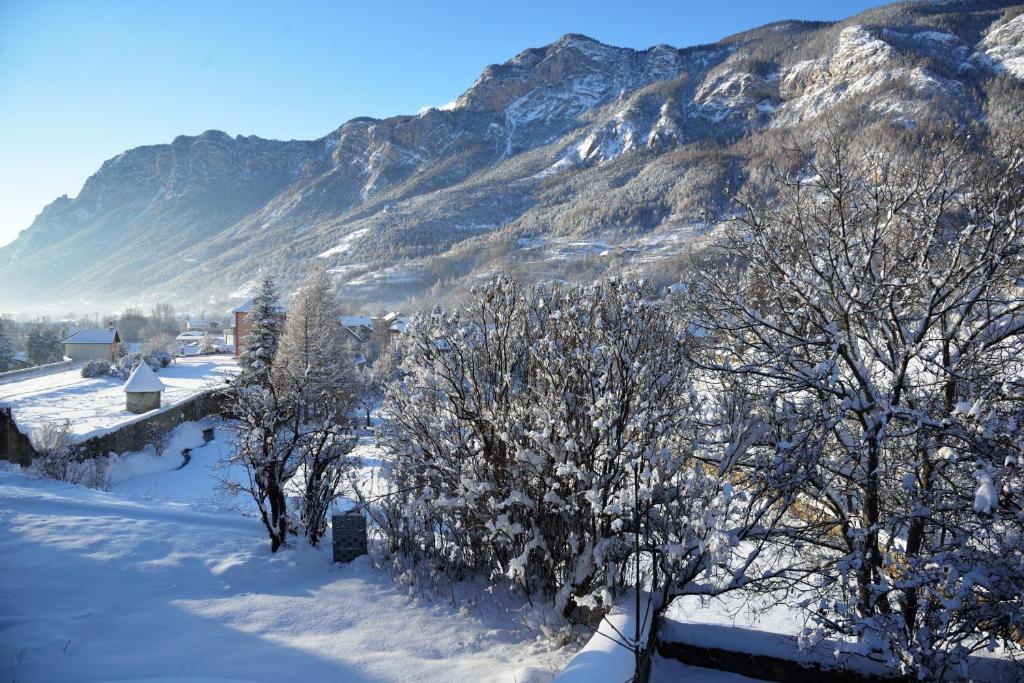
<point>568,160</point>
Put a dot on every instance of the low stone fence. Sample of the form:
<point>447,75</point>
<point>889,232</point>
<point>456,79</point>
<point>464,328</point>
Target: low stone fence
<point>764,667</point>
<point>755,653</point>
<point>134,436</point>
<point>36,370</point>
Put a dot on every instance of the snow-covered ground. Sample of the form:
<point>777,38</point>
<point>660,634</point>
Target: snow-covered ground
<point>95,406</point>
<point>163,578</point>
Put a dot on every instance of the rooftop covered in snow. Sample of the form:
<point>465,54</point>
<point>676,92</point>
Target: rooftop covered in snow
<point>107,336</point>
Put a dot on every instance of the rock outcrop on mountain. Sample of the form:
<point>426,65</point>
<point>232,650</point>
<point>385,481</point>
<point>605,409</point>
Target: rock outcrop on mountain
<point>569,160</point>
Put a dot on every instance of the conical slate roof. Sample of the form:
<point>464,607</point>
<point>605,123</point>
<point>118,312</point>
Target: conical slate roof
<point>143,379</point>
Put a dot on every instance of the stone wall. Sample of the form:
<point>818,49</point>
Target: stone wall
<point>16,447</point>
<point>763,667</point>
<point>142,401</point>
<point>137,435</point>
<point>36,370</point>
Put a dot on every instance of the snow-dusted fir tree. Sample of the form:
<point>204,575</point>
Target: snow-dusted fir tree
<point>6,349</point>
<point>264,323</point>
<point>873,316</point>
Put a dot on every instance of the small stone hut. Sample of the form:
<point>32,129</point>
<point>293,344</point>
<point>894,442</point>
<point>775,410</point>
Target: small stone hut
<point>142,390</point>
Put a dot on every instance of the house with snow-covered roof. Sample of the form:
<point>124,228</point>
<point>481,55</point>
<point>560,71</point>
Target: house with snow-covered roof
<point>92,345</point>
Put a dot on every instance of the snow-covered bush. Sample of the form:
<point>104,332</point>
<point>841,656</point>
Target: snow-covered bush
<point>874,318</point>
<point>206,346</point>
<point>551,439</point>
<point>124,366</point>
<point>57,457</point>
<point>96,368</point>
<point>158,358</point>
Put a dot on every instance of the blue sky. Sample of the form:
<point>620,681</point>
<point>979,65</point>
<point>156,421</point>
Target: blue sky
<point>81,81</point>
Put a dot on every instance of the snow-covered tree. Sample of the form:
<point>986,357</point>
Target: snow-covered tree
<point>268,447</point>
<point>874,317</point>
<point>6,350</point>
<point>371,380</point>
<point>44,345</point>
<point>314,363</point>
<point>293,425</point>
<point>264,323</point>
<point>313,349</point>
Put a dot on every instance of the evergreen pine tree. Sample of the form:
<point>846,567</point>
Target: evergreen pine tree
<point>6,350</point>
<point>44,346</point>
<point>264,324</point>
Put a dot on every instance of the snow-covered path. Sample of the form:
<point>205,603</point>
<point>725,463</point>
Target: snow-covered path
<point>106,586</point>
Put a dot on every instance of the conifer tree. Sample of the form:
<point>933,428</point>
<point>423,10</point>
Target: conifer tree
<point>264,321</point>
<point>6,350</point>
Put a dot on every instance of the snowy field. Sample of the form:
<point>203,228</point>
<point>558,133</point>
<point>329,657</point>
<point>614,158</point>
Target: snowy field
<point>95,406</point>
<point>163,578</point>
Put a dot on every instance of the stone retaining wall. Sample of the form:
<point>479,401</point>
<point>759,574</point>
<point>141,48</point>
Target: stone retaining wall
<point>137,435</point>
<point>134,436</point>
<point>37,370</point>
<point>763,667</point>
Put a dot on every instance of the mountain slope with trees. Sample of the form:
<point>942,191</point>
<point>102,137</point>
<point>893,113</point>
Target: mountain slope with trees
<point>575,141</point>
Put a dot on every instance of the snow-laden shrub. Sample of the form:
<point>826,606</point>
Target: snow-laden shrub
<point>545,438</point>
<point>57,457</point>
<point>158,359</point>
<point>126,364</point>
<point>96,368</point>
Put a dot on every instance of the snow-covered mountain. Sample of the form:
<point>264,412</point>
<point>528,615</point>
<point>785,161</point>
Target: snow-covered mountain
<point>573,158</point>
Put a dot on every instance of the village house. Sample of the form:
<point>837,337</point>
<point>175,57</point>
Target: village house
<point>359,326</point>
<point>389,324</point>
<point>92,345</point>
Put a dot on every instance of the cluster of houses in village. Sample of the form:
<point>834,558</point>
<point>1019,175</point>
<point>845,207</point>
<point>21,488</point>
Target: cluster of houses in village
<point>203,337</point>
